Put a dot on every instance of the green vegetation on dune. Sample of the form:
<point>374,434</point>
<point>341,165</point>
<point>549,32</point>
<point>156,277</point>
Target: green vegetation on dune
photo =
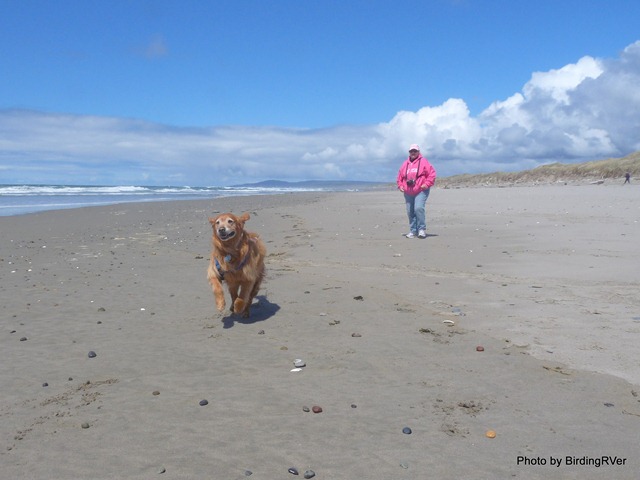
<point>587,172</point>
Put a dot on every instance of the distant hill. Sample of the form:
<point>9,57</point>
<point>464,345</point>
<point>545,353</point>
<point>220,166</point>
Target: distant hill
<point>324,184</point>
<point>610,170</point>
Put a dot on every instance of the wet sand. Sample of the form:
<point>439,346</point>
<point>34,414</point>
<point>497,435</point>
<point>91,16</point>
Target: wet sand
<point>545,279</point>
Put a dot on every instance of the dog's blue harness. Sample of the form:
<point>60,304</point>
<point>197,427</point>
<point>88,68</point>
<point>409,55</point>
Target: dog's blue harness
<point>227,259</point>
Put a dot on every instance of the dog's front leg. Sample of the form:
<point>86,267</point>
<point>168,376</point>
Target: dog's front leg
<point>243,302</point>
<point>233,290</point>
<point>218,293</point>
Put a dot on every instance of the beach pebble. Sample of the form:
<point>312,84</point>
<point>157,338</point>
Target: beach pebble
<point>45,384</point>
<point>162,470</point>
<point>309,474</point>
<point>356,335</point>
<point>248,473</point>
<point>358,297</point>
<point>490,434</point>
<point>353,405</point>
<point>92,354</point>
<point>261,332</point>
<point>102,309</point>
<point>295,369</point>
<point>156,392</point>
<point>305,409</point>
<point>293,471</point>
<point>85,425</point>
<point>316,409</point>
<point>404,465</point>
<point>23,339</point>
<point>299,363</point>
<point>406,430</point>
<point>203,403</point>
<point>609,404</point>
<point>479,348</point>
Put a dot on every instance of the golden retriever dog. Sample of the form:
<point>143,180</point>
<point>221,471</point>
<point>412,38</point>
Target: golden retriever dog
<point>237,258</point>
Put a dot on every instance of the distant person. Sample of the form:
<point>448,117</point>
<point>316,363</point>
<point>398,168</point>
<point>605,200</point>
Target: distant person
<point>627,178</point>
<point>415,178</point>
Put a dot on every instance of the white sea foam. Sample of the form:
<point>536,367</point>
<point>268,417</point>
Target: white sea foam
<point>20,199</point>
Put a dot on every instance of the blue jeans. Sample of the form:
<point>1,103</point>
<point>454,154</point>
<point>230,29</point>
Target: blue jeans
<point>416,210</point>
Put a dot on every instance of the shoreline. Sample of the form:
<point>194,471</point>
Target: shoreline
<point>544,279</point>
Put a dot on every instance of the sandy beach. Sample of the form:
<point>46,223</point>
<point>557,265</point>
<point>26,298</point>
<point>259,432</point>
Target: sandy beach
<point>544,279</point>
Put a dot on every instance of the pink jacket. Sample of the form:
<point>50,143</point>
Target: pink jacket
<point>420,171</point>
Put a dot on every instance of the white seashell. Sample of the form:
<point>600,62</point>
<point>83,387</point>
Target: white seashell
<point>448,322</point>
<point>298,363</point>
<point>296,369</point>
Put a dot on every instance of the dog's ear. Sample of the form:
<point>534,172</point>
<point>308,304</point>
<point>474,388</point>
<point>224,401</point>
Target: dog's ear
<point>244,217</point>
<point>212,221</point>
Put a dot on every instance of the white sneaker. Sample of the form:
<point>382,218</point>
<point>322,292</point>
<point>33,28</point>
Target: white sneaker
<point>410,235</point>
<point>422,234</point>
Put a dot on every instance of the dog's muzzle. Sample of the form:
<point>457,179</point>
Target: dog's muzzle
<point>224,234</point>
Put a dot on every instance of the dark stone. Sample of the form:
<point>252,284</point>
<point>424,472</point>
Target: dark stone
<point>406,430</point>
<point>45,384</point>
<point>92,354</point>
<point>23,339</point>
<point>293,471</point>
<point>203,403</point>
<point>309,474</point>
<point>316,409</point>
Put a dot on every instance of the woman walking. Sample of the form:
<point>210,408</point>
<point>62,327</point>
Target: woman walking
<point>415,179</point>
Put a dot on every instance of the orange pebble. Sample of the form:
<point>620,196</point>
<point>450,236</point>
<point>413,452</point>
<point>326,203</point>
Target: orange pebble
<point>480,348</point>
<point>490,434</point>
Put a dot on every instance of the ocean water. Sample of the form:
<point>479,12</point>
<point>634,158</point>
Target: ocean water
<point>23,199</point>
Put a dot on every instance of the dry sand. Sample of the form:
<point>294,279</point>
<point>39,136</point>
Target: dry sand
<point>545,279</point>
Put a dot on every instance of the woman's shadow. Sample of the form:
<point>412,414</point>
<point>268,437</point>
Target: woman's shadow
<point>261,310</point>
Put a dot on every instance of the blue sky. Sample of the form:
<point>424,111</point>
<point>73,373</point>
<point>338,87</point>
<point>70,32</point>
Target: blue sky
<point>224,92</point>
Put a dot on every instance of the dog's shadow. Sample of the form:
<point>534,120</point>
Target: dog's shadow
<point>261,310</point>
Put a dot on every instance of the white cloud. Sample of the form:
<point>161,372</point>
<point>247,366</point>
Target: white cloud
<point>582,111</point>
<point>557,84</point>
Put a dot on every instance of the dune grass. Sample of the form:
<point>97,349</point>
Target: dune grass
<point>610,170</point>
